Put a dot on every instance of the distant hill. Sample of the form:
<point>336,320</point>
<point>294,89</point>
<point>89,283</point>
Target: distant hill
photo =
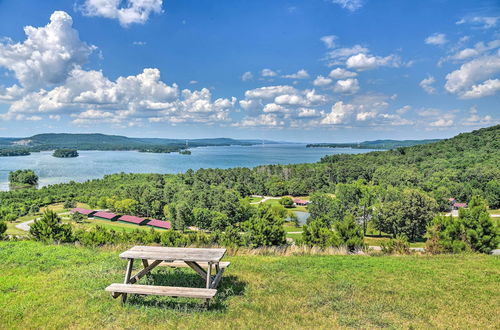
<point>97,141</point>
<point>377,144</point>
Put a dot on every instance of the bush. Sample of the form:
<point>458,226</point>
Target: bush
<point>265,228</point>
<point>77,217</point>
<point>50,229</point>
<point>473,230</point>
<point>398,245</point>
<point>3,228</point>
<point>286,201</point>
<point>69,204</point>
<point>350,233</point>
<point>316,233</point>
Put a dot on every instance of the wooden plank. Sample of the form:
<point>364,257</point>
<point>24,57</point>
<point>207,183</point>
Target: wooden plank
<point>217,278</point>
<point>209,275</point>
<point>162,290</point>
<point>167,253</point>
<point>128,272</point>
<point>180,264</point>
<point>143,272</point>
<point>197,268</point>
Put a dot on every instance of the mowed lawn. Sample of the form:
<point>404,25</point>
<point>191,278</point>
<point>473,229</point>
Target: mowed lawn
<point>49,286</point>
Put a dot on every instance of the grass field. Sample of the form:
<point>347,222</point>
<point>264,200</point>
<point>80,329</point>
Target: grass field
<point>277,201</point>
<point>44,286</point>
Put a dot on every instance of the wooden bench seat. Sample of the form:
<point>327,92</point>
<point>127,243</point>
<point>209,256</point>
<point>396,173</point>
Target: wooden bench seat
<point>162,290</point>
<point>178,263</point>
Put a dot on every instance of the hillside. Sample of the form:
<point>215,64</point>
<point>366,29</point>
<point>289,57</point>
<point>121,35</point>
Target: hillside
<point>62,286</point>
<point>96,141</point>
<point>377,144</point>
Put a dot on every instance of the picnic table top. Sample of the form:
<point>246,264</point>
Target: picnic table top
<point>171,254</point>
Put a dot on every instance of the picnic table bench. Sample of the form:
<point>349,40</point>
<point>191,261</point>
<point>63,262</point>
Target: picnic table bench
<point>152,256</point>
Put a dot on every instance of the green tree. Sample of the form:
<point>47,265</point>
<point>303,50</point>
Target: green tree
<point>406,213</point>
<point>265,228</point>
<point>350,233</point>
<point>286,201</point>
<point>316,233</point>
<point>77,217</point>
<point>69,204</point>
<point>50,229</point>
<point>3,228</point>
<point>472,230</point>
<point>22,177</point>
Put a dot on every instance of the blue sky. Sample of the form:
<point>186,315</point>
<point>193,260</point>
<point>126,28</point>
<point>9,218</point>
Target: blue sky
<point>314,71</point>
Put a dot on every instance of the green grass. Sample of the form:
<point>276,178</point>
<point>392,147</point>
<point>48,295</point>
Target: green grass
<point>277,202</point>
<point>118,226</point>
<point>497,211</point>
<point>376,241</point>
<point>254,199</point>
<point>49,286</point>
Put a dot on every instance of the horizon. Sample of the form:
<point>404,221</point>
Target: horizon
<point>161,69</point>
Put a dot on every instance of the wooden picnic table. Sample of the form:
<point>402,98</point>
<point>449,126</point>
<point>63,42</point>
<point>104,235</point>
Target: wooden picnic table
<point>153,256</point>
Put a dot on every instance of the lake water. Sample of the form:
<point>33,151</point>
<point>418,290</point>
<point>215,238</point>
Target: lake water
<point>96,164</point>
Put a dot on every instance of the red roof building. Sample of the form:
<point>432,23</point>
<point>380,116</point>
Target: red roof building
<point>459,205</point>
<point>132,219</point>
<point>83,211</point>
<point>159,224</point>
<point>105,215</point>
<point>300,202</point>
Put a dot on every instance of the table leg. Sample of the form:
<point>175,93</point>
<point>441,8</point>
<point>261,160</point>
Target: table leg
<point>209,275</point>
<point>130,264</point>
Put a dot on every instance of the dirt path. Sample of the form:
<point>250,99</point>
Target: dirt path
<point>25,225</point>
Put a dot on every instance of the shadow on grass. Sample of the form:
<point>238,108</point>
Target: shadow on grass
<point>228,287</point>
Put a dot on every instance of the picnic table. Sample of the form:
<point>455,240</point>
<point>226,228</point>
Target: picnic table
<point>198,259</point>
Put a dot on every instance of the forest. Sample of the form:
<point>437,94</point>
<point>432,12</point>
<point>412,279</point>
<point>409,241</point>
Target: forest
<point>398,192</point>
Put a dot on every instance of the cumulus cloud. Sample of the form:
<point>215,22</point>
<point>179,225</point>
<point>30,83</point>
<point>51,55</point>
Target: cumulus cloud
<point>340,73</point>
<point>126,12</point>
<point>322,81</point>
<point>480,48</point>
<point>268,73</point>
<point>464,81</point>
<point>47,55</point>
<point>348,86</point>
<point>485,22</point>
<point>48,66</point>
<point>436,39</point>
<point>427,83</point>
<point>363,61</point>
<point>247,76</point>
<point>301,74</point>
<point>474,119</point>
<point>329,41</point>
<point>351,5</point>
<point>264,120</point>
<point>339,112</point>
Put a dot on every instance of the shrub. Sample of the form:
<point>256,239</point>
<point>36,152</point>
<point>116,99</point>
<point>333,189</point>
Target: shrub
<point>398,245</point>
<point>50,229</point>
<point>77,217</point>
<point>473,230</point>
<point>317,233</point>
<point>69,204</point>
<point>3,228</point>
<point>350,233</point>
<point>286,201</point>
<point>265,228</point>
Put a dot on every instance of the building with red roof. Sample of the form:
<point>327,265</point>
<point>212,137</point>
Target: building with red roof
<point>83,211</point>
<point>159,224</point>
<point>300,202</point>
<point>105,215</point>
<point>457,206</point>
<point>132,219</point>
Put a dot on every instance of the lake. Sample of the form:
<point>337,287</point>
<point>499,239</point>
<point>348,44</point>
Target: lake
<point>96,164</point>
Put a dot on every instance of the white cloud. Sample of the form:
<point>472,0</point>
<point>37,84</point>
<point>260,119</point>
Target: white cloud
<point>339,55</point>
<point>485,22</point>
<point>126,12</point>
<point>139,43</point>
<point>265,120</point>
<point>351,5</point>
<point>474,119</point>
<point>463,81</point>
<point>301,74</point>
<point>322,81</point>
<point>47,55</point>
<point>443,122</point>
<point>268,73</point>
<point>436,39</point>
<point>247,76</point>
<point>479,48</point>
<point>329,41</point>
<point>363,61</point>
<point>487,88</point>
<point>427,83</point>
<point>339,112</point>
<point>403,109</point>
<point>340,73</point>
<point>348,86</point>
